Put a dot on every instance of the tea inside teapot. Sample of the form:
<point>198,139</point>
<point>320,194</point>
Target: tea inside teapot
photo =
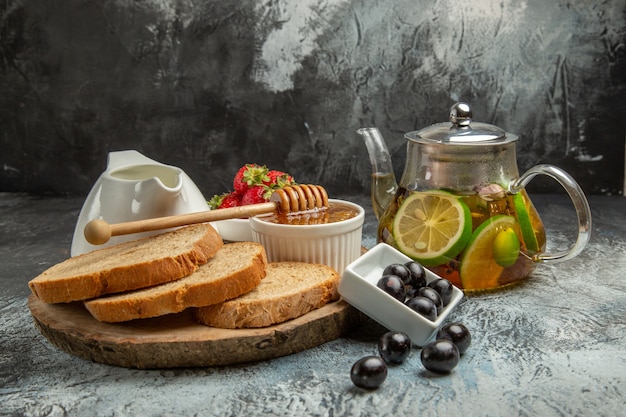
<point>461,208</point>
<point>457,235</point>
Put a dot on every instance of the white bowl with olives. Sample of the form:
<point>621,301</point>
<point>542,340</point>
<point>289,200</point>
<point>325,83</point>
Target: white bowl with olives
<point>377,284</point>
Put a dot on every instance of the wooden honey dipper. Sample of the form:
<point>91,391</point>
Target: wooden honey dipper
<point>292,199</point>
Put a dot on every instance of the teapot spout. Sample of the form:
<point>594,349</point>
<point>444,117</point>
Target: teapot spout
<point>383,181</point>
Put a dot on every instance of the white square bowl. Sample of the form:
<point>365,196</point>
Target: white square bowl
<point>358,288</point>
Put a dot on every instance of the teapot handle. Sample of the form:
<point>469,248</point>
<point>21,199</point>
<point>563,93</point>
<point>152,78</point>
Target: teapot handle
<point>577,196</point>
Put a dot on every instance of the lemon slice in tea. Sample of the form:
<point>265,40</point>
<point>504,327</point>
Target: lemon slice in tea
<point>479,269</point>
<point>432,227</point>
<point>526,227</point>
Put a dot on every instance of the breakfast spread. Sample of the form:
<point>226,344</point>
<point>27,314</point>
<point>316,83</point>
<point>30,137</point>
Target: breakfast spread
<point>450,221</point>
<point>188,279</point>
<point>229,285</point>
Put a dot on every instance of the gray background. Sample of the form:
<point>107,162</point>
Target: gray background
<point>211,85</point>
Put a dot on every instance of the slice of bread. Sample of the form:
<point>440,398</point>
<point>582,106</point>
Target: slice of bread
<point>235,269</point>
<point>289,290</point>
<point>127,266</point>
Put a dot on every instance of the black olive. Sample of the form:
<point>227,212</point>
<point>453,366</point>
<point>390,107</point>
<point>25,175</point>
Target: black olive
<point>423,306</point>
<point>394,347</point>
<point>398,270</point>
<point>458,334</point>
<point>444,288</point>
<point>440,356</point>
<point>433,296</point>
<point>393,286</point>
<point>369,372</point>
<point>418,274</point>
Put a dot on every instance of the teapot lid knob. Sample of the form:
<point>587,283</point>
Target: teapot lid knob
<point>461,114</point>
<point>457,131</point>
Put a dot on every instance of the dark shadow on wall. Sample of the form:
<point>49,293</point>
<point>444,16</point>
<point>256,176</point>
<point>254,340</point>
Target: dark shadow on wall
<point>211,86</point>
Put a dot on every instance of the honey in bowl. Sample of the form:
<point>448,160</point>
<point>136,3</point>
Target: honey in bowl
<point>335,212</point>
<point>331,236</point>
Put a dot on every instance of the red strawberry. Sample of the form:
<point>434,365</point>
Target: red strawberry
<point>230,200</point>
<point>278,179</point>
<point>248,176</point>
<point>256,194</point>
<point>224,200</point>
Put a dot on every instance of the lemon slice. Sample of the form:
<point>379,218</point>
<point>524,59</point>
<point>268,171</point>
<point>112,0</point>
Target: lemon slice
<point>526,227</point>
<point>432,227</point>
<point>479,269</point>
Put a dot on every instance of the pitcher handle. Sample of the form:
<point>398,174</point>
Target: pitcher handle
<point>577,196</point>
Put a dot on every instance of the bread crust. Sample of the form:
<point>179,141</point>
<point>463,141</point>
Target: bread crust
<point>265,306</point>
<point>65,282</point>
<point>235,269</point>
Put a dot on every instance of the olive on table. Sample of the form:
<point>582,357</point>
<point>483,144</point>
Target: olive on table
<point>458,334</point>
<point>440,356</point>
<point>369,372</point>
<point>394,347</point>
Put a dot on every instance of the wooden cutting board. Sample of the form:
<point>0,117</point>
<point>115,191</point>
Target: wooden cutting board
<point>176,341</point>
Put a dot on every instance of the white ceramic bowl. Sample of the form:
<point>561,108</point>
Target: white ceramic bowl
<point>333,244</point>
<point>358,288</point>
<point>234,230</point>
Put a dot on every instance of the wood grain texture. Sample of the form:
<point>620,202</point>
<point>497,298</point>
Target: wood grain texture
<point>176,341</point>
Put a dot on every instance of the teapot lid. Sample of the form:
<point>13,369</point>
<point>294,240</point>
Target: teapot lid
<point>461,131</point>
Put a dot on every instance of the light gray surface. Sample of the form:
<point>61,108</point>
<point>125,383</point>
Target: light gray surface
<point>555,346</point>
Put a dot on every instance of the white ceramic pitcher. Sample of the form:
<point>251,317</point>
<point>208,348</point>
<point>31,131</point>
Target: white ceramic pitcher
<point>135,187</point>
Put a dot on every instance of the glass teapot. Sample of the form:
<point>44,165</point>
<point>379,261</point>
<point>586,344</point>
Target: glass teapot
<point>461,208</point>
